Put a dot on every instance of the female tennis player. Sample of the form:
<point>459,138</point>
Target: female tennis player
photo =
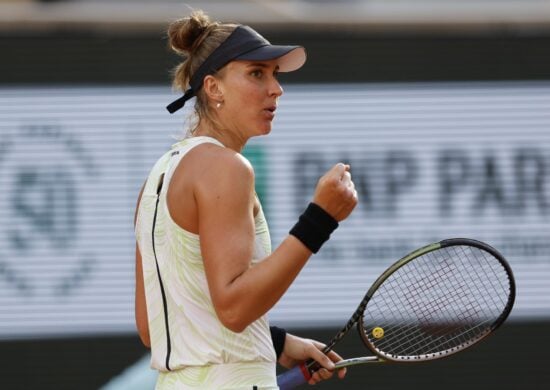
<point>205,272</point>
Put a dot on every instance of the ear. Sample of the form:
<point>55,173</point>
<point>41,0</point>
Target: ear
<point>213,87</point>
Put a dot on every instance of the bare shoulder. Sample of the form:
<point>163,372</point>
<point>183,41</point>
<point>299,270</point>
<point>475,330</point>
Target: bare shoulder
<point>215,164</point>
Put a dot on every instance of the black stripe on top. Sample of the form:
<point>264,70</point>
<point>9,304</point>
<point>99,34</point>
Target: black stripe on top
<point>163,293</point>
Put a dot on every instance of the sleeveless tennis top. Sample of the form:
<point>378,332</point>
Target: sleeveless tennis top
<point>190,347</point>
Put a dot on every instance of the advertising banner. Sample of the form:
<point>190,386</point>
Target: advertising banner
<point>429,161</point>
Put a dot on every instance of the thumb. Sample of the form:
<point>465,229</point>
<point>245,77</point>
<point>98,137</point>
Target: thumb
<point>339,169</point>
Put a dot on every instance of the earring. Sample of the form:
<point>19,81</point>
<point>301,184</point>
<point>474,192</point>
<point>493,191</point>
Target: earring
<point>218,105</point>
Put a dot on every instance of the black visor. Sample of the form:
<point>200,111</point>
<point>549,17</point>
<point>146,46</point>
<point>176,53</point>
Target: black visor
<point>242,44</point>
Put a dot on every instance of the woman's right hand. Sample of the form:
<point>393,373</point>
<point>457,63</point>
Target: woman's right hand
<point>297,350</point>
<point>335,192</point>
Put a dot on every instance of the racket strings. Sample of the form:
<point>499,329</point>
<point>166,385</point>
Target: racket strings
<point>410,338</point>
<point>434,345</point>
<point>465,314</point>
<point>441,301</point>
<point>438,334</point>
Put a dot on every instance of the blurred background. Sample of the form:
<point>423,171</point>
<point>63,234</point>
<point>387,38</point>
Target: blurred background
<point>442,108</point>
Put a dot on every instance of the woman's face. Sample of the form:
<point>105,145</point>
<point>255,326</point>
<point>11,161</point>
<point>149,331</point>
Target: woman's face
<point>250,93</point>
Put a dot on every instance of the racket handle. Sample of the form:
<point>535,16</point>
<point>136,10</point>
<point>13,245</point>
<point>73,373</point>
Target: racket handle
<point>293,377</point>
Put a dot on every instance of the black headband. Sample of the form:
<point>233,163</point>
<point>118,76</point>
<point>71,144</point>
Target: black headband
<point>242,43</point>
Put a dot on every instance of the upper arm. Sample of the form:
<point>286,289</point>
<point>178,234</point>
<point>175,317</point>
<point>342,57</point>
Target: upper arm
<point>222,183</point>
<point>225,202</point>
<point>142,323</point>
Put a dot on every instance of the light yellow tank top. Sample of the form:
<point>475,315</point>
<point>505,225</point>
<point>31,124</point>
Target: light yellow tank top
<point>189,345</point>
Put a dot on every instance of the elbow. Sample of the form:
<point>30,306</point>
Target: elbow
<point>235,328</point>
<point>233,324</point>
<point>232,320</point>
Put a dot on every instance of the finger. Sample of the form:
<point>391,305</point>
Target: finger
<point>317,354</point>
<point>324,374</point>
<point>352,192</point>
<point>351,184</point>
<point>323,360</point>
<point>349,196</point>
<point>335,357</point>
<point>346,178</point>
<point>320,375</point>
<point>339,169</point>
<point>342,372</point>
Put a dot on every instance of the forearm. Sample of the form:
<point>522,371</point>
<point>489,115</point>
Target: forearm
<point>256,290</point>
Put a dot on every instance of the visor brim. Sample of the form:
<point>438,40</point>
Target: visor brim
<point>290,58</point>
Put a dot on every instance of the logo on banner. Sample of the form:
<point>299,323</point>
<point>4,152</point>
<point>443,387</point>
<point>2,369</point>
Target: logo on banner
<point>44,168</point>
<point>490,194</point>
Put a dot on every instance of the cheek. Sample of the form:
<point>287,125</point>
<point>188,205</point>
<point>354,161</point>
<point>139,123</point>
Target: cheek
<point>245,100</point>
<point>248,101</point>
<point>251,96</point>
<point>247,92</point>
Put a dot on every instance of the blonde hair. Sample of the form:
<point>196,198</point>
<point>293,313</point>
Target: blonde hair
<point>195,38</point>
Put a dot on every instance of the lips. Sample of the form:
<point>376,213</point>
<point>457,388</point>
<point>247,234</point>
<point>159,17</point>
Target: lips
<point>270,111</point>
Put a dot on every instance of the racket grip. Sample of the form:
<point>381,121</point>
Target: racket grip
<point>293,377</point>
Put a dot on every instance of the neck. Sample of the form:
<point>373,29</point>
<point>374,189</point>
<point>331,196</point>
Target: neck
<point>228,138</point>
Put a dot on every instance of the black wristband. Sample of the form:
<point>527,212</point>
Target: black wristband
<point>278,336</point>
<point>314,227</point>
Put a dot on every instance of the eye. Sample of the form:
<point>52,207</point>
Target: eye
<point>258,73</point>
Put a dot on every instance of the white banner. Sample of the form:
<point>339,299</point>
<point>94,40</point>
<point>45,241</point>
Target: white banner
<point>430,161</point>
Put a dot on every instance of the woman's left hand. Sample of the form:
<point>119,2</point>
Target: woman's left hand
<point>298,350</point>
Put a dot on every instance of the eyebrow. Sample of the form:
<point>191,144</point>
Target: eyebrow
<point>261,65</point>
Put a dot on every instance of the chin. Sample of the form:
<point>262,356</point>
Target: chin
<point>264,130</point>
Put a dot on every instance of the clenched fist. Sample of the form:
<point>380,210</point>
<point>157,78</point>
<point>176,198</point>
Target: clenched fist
<point>335,192</point>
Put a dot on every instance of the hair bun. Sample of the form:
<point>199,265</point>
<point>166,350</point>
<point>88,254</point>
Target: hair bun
<point>185,35</point>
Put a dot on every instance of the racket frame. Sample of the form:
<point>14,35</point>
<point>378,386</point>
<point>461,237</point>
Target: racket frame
<point>413,255</point>
<point>300,374</point>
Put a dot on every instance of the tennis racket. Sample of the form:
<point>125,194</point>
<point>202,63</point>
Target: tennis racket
<point>436,301</point>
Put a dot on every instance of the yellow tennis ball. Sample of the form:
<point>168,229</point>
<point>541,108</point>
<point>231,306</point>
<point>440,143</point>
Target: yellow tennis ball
<point>378,332</point>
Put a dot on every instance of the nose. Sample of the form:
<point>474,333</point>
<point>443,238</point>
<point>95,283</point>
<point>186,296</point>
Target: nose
<point>275,88</point>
